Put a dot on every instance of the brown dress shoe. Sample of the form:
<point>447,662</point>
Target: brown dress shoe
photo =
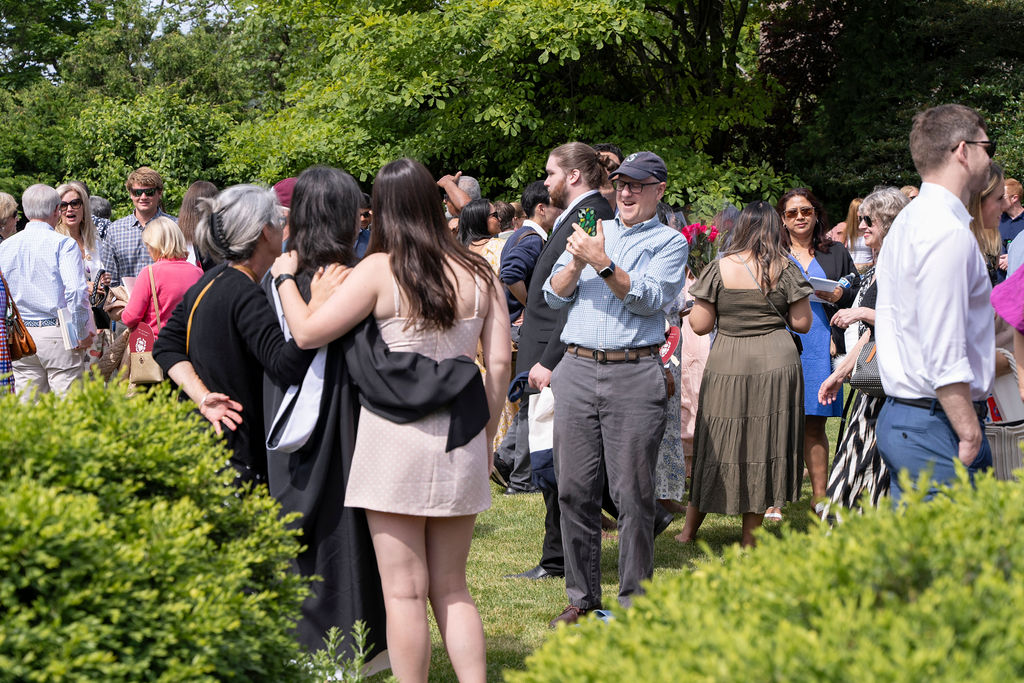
<point>569,616</point>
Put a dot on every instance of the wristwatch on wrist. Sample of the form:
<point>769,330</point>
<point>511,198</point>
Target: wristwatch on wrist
<point>280,279</point>
<point>607,271</point>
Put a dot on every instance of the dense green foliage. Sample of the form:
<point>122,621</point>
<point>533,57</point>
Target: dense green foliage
<point>742,98</point>
<point>853,97</point>
<point>935,592</point>
<point>125,553</point>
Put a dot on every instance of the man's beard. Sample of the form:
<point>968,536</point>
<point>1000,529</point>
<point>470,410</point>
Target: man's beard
<point>557,195</point>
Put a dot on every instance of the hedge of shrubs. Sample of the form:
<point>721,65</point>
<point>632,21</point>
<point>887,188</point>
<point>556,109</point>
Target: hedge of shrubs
<point>125,553</point>
<point>935,592</point>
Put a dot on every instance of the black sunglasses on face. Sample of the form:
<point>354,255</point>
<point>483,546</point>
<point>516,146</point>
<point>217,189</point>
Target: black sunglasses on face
<point>148,191</point>
<point>989,145</point>
<point>74,204</point>
<point>364,214</point>
<point>866,220</point>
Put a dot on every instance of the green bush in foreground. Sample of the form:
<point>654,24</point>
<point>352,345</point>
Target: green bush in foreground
<point>125,554</point>
<point>935,592</point>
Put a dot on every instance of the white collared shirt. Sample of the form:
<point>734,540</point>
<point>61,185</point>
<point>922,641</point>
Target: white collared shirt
<point>934,323</point>
<point>527,223</point>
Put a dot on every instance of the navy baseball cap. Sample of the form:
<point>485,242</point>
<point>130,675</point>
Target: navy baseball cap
<point>640,165</point>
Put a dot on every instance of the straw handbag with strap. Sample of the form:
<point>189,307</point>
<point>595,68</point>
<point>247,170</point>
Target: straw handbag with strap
<point>142,369</point>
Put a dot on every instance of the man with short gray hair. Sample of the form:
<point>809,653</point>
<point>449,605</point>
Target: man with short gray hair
<point>45,272</point>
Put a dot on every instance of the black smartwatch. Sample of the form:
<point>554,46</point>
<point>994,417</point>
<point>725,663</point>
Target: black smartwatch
<point>607,271</point>
<point>280,279</point>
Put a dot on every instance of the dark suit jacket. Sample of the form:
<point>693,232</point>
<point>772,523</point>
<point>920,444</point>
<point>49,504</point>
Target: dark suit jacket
<point>836,263</point>
<point>539,340</point>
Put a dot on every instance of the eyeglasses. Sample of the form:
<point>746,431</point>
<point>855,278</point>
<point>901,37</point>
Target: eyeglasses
<point>148,191</point>
<point>989,145</point>
<point>74,204</point>
<point>634,188</point>
<point>805,211</point>
<point>866,220</point>
<point>493,214</point>
<point>364,214</point>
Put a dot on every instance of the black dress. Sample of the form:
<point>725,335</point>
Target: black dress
<point>312,481</point>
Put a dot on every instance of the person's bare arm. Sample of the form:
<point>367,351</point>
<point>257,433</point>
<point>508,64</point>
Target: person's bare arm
<point>829,389</point>
<point>218,408</point>
<point>496,347</point>
<point>350,302</point>
<point>457,197</point>
<point>800,315</point>
<point>518,290</point>
<point>956,403</point>
<point>702,316</point>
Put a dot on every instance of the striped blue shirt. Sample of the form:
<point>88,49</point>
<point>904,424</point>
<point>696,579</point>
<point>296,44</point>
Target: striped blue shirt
<point>654,255</point>
<point>122,252</point>
<point>45,272</point>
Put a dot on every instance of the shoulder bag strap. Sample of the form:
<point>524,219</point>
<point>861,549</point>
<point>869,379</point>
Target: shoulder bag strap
<point>774,307</point>
<point>188,327</point>
<point>152,290</point>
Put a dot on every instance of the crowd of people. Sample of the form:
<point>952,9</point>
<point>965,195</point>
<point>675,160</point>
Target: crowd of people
<point>373,359</point>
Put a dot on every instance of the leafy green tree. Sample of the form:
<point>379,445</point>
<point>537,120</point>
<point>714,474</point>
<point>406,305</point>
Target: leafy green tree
<point>159,128</point>
<point>855,72</point>
<point>490,88</point>
<point>34,36</point>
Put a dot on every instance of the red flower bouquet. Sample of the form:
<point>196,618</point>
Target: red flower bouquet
<point>703,248</point>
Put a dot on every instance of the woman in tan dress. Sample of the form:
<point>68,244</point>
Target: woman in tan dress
<point>749,433</point>
<point>429,295</point>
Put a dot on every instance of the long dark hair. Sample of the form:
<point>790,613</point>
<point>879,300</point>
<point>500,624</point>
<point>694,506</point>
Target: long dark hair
<point>758,230</point>
<point>324,217</point>
<point>409,225</point>
<point>820,241</point>
<point>473,221</point>
<point>189,214</point>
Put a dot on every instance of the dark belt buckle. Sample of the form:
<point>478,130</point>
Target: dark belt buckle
<point>600,355</point>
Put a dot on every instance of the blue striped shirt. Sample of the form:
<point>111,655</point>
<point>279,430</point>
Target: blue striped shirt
<point>654,255</point>
<point>45,272</point>
<point>123,254</point>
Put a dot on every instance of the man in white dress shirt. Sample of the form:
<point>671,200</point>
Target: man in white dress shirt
<point>45,272</point>
<point>934,322</point>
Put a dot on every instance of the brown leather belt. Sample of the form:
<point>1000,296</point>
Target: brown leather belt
<point>613,355</point>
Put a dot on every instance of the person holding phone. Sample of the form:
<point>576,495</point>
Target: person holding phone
<point>610,388</point>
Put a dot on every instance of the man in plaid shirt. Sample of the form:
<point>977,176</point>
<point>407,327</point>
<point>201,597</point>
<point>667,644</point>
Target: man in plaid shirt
<point>123,253</point>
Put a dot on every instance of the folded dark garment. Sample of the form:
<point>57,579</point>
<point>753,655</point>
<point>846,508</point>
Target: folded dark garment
<point>404,386</point>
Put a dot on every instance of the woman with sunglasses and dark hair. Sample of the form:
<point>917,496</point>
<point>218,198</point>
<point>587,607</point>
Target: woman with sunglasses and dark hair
<point>806,238</point>
<point>420,488</point>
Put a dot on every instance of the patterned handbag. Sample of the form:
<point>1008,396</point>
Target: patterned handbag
<point>865,377</point>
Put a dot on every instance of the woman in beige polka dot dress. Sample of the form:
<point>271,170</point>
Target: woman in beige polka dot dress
<point>432,296</point>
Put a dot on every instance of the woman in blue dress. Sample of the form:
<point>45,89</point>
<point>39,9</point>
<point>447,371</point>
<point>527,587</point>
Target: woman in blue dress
<point>818,256</point>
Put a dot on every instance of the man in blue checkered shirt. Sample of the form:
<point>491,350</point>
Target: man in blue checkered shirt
<point>123,253</point>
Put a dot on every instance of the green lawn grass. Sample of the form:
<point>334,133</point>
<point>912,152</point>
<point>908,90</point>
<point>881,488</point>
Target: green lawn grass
<point>516,612</point>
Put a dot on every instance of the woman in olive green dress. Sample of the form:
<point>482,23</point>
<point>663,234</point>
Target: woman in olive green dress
<point>749,436</point>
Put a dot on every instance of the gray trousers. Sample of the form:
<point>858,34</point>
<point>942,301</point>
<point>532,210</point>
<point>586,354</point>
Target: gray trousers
<point>615,411</point>
<point>515,447</point>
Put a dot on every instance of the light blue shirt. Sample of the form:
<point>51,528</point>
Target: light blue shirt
<point>655,256</point>
<point>1015,256</point>
<point>45,272</point>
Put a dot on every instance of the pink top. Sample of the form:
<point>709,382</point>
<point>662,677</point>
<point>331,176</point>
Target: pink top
<point>173,279</point>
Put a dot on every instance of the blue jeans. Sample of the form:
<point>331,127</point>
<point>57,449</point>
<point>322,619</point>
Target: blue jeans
<point>916,439</point>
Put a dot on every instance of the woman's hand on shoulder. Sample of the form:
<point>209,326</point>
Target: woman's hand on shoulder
<point>325,281</point>
<point>286,264</point>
